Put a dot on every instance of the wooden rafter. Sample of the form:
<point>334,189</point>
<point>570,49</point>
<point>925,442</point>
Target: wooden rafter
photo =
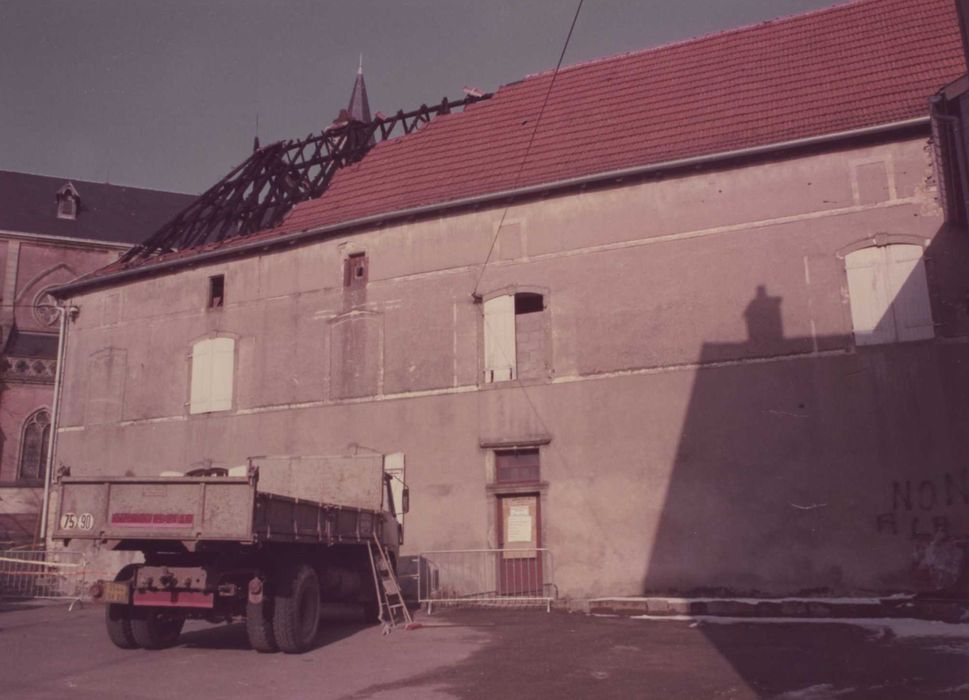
<point>259,192</point>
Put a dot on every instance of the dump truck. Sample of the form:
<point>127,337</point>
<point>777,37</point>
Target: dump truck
<point>268,541</point>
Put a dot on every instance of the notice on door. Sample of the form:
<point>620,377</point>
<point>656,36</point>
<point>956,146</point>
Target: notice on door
<point>519,527</point>
<point>519,524</point>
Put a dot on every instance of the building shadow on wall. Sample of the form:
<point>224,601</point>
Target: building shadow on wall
<point>812,466</point>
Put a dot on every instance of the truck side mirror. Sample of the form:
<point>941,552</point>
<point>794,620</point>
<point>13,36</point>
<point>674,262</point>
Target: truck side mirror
<point>405,500</point>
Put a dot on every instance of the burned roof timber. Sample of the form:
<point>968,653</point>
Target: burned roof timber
<point>259,192</point>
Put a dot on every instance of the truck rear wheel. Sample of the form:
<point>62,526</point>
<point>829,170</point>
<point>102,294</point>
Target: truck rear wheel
<point>296,613</point>
<point>259,625</point>
<point>155,629</point>
<point>117,618</point>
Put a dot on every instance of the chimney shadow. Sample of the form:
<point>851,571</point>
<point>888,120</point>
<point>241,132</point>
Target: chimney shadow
<point>816,466</point>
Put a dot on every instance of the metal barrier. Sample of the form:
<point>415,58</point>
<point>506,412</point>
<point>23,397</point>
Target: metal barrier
<point>26,574</point>
<point>486,577</point>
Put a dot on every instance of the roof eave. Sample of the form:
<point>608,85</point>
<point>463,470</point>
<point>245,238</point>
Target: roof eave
<point>330,230</point>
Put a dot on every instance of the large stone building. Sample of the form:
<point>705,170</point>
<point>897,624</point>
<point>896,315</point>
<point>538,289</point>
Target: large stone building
<point>696,309</point>
<point>52,230</point>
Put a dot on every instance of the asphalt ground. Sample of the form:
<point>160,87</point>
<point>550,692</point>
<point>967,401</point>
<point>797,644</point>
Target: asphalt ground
<point>47,651</point>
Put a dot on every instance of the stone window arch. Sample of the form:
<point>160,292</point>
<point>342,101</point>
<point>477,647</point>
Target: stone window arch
<point>34,439</point>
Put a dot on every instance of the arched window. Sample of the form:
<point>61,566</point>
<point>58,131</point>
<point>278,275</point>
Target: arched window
<point>33,446</point>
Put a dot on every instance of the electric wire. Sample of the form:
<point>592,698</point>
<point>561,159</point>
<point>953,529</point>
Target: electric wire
<point>528,147</point>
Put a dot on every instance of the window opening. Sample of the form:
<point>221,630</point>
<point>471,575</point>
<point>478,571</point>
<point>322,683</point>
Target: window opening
<point>216,291</point>
<point>33,446</point>
<point>355,271</point>
<point>213,361</point>
<point>529,303</point>
<point>889,295</point>
<point>67,200</point>
<point>518,466</point>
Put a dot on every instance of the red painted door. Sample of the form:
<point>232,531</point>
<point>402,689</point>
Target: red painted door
<point>519,539</point>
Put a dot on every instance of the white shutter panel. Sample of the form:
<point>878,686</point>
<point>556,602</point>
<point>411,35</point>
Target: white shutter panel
<point>910,290</point>
<point>223,365</point>
<point>201,391</point>
<point>870,296</point>
<point>499,338</point>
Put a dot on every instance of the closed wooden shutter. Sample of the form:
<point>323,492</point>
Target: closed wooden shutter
<point>223,365</point>
<point>889,294</point>
<point>213,365</point>
<point>499,339</point>
<point>201,391</point>
<point>910,291</point>
<point>870,296</point>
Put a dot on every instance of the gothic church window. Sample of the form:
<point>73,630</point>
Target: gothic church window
<point>33,446</point>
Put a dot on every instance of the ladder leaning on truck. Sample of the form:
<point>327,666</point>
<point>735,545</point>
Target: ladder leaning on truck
<point>216,547</point>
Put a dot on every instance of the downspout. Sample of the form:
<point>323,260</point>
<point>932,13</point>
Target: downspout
<point>66,312</point>
<point>954,125</point>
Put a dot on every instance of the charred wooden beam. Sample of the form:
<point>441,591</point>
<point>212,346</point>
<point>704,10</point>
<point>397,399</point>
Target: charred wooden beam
<point>261,190</point>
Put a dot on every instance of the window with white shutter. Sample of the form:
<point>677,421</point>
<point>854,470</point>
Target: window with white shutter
<point>889,294</point>
<point>213,363</point>
<point>499,339</point>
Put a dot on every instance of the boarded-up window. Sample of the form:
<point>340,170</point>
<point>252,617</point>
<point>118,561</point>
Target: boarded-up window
<point>105,379</point>
<point>33,446</point>
<point>213,361</point>
<point>499,339</point>
<point>889,294</point>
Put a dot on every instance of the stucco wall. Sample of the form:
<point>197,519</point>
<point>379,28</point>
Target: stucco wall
<point>708,420</point>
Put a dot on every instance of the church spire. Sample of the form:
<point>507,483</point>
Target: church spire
<point>359,107</point>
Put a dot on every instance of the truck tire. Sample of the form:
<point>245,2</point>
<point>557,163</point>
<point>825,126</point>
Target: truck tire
<point>117,618</point>
<point>155,629</point>
<point>259,626</point>
<point>296,611</point>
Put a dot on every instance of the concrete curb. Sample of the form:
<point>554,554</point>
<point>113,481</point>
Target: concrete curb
<point>908,606</point>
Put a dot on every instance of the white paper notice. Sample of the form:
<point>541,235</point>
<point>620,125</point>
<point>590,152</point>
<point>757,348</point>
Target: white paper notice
<point>519,524</point>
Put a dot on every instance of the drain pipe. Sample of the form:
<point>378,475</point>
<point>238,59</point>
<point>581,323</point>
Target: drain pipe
<point>66,313</point>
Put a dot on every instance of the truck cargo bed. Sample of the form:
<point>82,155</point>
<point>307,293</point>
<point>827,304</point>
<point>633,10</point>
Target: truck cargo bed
<point>201,508</point>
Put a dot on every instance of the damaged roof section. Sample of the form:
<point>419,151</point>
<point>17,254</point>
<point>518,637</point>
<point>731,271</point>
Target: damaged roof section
<point>259,192</point>
<point>832,73</point>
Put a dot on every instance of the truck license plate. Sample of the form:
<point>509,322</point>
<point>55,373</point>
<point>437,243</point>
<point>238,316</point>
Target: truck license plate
<point>116,592</point>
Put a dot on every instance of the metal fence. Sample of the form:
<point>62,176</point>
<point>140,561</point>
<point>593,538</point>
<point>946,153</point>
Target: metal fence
<point>26,574</point>
<point>486,577</point>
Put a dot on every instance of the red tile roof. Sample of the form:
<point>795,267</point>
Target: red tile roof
<point>850,66</point>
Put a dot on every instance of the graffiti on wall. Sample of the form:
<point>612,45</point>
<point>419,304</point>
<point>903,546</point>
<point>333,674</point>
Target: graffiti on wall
<point>924,507</point>
<point>926,510</point>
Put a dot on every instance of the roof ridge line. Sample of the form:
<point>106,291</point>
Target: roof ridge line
<point>75,181</point>
<point>841,6</point>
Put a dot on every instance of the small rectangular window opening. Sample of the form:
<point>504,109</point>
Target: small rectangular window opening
<point>520,466</point>
<point>528,303</point>
<point>355,271</point>
<point>216,291</point>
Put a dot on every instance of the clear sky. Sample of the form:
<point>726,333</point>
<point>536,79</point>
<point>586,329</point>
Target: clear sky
<point>164,93</point>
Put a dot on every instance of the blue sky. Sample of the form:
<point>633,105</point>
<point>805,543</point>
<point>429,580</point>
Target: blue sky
<point>165,94</point>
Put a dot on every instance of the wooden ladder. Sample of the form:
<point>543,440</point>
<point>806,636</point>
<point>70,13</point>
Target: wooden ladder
<point>393,609</point>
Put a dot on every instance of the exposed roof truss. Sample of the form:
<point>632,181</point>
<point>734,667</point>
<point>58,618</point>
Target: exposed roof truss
<point>258,193</point>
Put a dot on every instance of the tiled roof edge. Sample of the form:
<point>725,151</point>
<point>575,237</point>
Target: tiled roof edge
<point>95,280</point>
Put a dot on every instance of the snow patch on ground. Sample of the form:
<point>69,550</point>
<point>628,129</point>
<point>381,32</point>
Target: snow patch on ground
<point>814,692</point>
<point>754,601</point>
<point>899,627</point>
<point>955,688</point>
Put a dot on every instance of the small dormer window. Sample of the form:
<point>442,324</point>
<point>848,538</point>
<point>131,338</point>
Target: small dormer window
<point>68,202</point>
